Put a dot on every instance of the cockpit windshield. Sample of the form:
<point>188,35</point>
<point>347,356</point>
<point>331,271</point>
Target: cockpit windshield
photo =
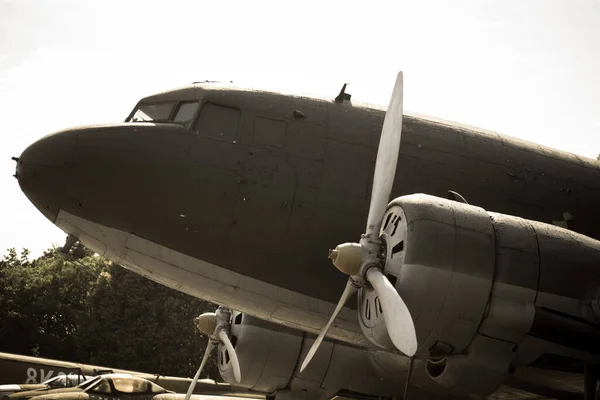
<point>185,111</point>
<point>152,112</point>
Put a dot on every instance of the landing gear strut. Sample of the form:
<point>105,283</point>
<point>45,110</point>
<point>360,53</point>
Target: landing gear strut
<point>64,251</point>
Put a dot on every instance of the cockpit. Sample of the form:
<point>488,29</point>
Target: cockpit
<point>182,112</point>
<point>69,380</point>
<point>119,383</point>
<point>206,109</point>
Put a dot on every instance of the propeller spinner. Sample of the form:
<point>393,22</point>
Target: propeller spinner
<point>362,261</point>
<point>215,326</point>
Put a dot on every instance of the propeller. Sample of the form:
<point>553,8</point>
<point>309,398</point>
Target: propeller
<point>363,261</point>
<point>215,326</point>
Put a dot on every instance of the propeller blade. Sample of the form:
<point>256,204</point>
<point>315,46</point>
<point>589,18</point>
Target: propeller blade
<point>190,390</point>
<point>399,323</point>
<point>348,292</point>
<point>387,158</point>
<point>232,355</point>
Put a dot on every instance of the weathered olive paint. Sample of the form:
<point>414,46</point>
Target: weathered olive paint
<point>272,211</point>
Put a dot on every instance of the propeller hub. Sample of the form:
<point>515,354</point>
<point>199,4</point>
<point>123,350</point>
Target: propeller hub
<point>363,262</point>
<point>206,323</point>
<point>347,258</point>
<point>212,325</point>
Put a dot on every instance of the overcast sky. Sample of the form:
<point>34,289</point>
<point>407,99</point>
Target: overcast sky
<point>523,68</point>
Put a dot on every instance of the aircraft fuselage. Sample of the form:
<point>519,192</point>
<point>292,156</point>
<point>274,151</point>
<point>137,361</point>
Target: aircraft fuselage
<point>241,205</point>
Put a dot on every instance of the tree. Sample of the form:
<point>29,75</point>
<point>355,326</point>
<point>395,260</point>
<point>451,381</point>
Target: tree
<point>95,312</point>
<point>41,300</point>
<point>138,324</point>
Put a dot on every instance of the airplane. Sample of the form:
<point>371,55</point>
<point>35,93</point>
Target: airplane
<point>97,388</point>
<point>116,386</point>
<point>476,268</point>
<point>119,386</point>
<point>61,380</point>
<point>19,373</point>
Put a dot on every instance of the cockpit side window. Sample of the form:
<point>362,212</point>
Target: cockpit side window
<point>159,112</point>
<point>219,122</point>
<point>185,112</point>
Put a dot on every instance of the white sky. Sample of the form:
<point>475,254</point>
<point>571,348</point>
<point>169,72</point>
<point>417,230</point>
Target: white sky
<point>524,68</point>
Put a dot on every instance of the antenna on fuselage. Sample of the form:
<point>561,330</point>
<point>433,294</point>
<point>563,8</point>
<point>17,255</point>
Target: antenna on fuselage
<point>343,97</point>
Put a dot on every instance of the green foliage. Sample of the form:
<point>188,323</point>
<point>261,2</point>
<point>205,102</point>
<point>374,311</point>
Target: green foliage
<point>95,312</point>
<point>40,302</point>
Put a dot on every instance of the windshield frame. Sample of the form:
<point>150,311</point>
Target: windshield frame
<point>66,380</point>
<point>89,382</point>
<point>194,116</point>
<point>103,380</point>
<point>177,104</point>
<point>169,117</point>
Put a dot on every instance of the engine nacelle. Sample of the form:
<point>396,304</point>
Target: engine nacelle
<point>270,356</point>
<point>267,356</point>
<point>474,283</point>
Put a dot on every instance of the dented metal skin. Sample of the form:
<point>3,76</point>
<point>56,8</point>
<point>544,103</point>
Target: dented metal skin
<point>241,205</point>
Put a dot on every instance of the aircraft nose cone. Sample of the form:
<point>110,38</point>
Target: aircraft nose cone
<point>41,170</point>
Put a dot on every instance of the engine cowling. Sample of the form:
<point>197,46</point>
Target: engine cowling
<point>484,291</point>
<point>477,284</point>
<point>270,356</point>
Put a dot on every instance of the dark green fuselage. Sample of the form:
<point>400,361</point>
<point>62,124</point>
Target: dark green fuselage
<point>267,189</point>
